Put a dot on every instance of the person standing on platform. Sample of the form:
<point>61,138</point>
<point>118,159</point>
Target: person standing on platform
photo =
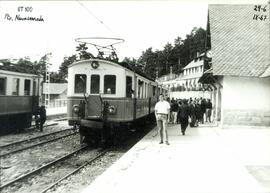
<point>162,110</point>
<point>208,110</point>
<point>192,113</point>
<point>174,110</point>
<point>41,118</point>
<point>184,115</point>
<point>203,110</point>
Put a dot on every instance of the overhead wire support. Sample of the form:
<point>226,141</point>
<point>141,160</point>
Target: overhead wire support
<point>88,10</point>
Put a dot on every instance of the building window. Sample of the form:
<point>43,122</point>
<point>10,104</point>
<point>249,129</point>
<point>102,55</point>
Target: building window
<point>109,84</point>
<point>15,86</point>
<point>95,84</point>
<point>80,83</point>
<point>129,90</point>
<point>27,87</point>
<point>2,86</point>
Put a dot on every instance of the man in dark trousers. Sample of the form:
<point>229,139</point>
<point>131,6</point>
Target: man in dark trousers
<point>208,110</point>
<point>183,116</point>
<point>41,118</point>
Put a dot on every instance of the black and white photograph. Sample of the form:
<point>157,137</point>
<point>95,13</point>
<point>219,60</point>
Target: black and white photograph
<point>144,96</point>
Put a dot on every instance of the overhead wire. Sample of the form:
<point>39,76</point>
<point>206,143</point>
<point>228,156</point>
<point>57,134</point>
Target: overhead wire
<point>92,14</point>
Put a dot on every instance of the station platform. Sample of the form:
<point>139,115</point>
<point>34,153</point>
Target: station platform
<point>206,160</point>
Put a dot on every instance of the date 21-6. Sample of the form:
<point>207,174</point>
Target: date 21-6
<point>261,12</point>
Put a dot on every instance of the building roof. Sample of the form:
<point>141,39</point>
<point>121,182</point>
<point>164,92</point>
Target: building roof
<point>194,63</point>
<point>15,73</point>
<point>240,44</point>
<point>55,88</point>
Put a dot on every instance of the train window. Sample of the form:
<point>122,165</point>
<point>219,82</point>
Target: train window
<point>109,84</point>
<point>129,90</point>
<point>34,88</point>
<point>15,86</point>
<point>27,87</point>
<point>95,84</point>
<point>145,90</point>
<point>80,83</point>
<point>2,86</point>
<point>154,91</point>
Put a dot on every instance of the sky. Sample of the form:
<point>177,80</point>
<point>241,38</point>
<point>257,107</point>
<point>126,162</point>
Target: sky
<point>142,24</point>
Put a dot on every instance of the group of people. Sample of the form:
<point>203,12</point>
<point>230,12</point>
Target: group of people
<point>183,112</point>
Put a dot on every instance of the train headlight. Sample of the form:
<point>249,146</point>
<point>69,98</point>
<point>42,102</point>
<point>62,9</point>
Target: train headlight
<point>112,110</point>
<point>76,109</point>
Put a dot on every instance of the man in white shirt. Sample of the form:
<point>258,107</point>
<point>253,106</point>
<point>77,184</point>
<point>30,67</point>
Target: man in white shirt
<point>162,109</point>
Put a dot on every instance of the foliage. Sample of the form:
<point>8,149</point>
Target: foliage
<point>24,65</point>
<point>63,69</point>
<point>177,55</point>
<point>82,49</point>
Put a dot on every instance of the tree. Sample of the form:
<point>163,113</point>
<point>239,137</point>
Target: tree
<point>82,49</point>
<point>56,77</point>
<point>63,69</point>
<point>130,61</point>
<point>148,60</point>
<point>177,55</point>
<point>25,65</point>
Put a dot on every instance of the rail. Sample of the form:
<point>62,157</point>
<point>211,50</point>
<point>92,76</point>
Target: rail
<point>37,144</point>
<point>42,167</point>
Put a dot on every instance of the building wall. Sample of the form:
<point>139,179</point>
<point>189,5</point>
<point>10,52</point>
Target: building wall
<point>245,101</point>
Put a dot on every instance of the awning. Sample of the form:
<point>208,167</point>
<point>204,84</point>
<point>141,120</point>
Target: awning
<point>209,78</point>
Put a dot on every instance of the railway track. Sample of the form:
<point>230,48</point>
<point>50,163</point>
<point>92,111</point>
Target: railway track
<point>22,145</point>
<point>73,172</point>
<point>41,170</point>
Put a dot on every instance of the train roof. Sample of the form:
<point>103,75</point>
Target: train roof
<point>122,64</point>
<point>6,65</point>
<point>14,73</point>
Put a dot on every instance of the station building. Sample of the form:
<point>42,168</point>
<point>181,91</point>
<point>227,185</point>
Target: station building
<point>186,84</point>
<point>240,66</point>
<point>57,94</point>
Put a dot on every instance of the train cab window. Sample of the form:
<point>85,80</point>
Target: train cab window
<point>27,87</point>
<point>80,83</point>
<point>129,90</point>
<point>15,86</point>
<point>95,84</point>
<point>2,86</point>
<point>109,84</point>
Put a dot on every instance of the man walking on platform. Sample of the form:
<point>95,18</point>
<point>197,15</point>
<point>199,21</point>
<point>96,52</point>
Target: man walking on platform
<point>162,109</point>
<point>184,113</point>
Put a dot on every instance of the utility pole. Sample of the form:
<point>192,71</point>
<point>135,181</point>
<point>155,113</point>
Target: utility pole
<point>47,81</point>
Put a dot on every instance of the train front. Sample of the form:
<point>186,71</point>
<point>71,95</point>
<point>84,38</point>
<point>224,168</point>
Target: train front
<point>89,83</point>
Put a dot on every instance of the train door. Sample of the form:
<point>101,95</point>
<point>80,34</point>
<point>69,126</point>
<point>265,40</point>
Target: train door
<point>129,91</point>
<point>94,101</point>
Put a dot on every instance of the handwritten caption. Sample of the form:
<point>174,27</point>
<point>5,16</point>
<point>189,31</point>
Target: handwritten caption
<point>261,12</point>
<point>22,15</point>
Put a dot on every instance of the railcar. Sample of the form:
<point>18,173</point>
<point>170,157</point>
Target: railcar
<point>107,97</point>
<point>19,99</point>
